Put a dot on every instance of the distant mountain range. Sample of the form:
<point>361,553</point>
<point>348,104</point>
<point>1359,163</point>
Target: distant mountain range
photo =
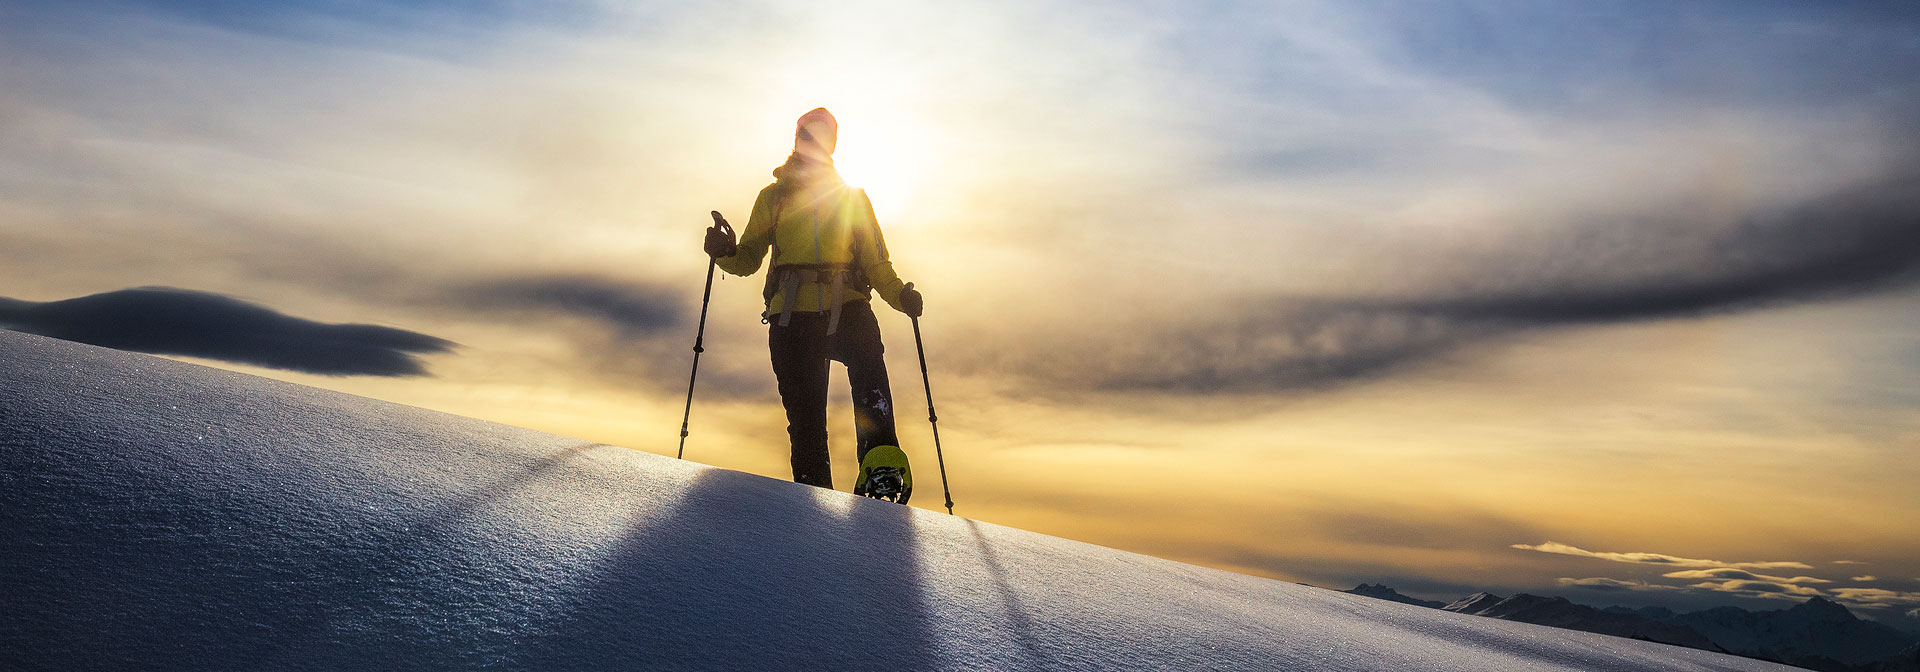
<point>1381,592</point>
<point>1818,634</point>
<point>1561,613</point>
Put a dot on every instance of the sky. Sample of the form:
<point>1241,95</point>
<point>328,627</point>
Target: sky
<point>1615,302</point>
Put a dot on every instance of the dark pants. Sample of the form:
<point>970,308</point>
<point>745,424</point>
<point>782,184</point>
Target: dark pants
<point>802,351</point>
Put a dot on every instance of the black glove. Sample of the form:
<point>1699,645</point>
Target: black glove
<point>720,241</point>
<point>910,301</point>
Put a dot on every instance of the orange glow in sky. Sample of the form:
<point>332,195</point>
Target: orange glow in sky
<point>1332,294</point>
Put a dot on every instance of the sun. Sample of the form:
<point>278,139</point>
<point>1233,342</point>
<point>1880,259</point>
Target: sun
<point>876,155</point>
<point>884,146</point>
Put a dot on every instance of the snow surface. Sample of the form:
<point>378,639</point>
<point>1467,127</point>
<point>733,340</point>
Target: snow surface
<point>164,515</point>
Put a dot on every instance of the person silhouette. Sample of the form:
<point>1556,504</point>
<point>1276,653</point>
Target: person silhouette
<point>829,258</point>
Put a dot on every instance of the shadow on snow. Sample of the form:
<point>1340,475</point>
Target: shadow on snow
<point>740,575</point>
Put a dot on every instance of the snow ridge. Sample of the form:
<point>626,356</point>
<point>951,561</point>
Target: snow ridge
<point>164,515</point>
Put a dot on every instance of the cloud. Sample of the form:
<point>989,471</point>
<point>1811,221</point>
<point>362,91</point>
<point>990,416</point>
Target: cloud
<point>1766,589</point>
<point>1655,558</point>
<point>1743,587</point>
<point>1278,344</point>
<point>485,172</point>
<point>1735,582</point>
<point>1372,524</point>
<point>1850,562</point>
<point>1729,573</point>
<point>1847,243</point>
<point>1868,577</point>
<point>1877,597</point>
<point>629,332</point>
<point>168,321</point>
<point>1611,585</point>
<point>634,309</point>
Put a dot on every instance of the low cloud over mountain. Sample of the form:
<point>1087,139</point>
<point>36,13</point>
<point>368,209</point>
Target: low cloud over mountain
<point>169,321</point>
<point>1714,576</point>
<point>1655,558</point>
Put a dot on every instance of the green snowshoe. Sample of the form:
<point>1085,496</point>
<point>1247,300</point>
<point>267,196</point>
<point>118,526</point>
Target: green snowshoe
<point>884,474</point>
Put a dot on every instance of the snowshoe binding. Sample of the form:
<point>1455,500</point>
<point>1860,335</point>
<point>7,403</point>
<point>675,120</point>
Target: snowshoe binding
<point>884,474</point>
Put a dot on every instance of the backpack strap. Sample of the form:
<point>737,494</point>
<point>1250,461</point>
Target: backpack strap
<point>773,272</point>
<point>786,279</point>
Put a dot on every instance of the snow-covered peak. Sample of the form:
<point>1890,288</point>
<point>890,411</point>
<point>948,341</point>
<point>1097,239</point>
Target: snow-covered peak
<point>1473,603</point>
<point>1819,608</point>
<point>1383,592</point>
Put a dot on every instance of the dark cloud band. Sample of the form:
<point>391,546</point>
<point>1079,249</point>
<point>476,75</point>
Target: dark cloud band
<point>1847,244</point>
<point>168,321</point>
<point>1855,241</point>
<point>635,310</point>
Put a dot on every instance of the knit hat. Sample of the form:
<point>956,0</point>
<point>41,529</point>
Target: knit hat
<point>815,134</point>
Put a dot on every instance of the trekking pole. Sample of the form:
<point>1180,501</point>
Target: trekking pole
<point>932,419</point>
<point>706,295</point>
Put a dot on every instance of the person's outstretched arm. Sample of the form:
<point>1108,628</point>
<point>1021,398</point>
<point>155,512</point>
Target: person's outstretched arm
<point>756,240</point>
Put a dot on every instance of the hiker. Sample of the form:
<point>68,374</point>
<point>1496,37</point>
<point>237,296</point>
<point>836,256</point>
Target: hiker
<point>828,260</point>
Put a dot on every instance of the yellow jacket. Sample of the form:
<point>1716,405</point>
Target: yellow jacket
<point>829,223</point>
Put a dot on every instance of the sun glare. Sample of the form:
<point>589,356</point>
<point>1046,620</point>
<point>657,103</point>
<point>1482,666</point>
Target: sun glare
<point>883,146</point>
<point>871,156</point>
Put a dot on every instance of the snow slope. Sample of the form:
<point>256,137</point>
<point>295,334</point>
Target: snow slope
<point>163,515</point>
